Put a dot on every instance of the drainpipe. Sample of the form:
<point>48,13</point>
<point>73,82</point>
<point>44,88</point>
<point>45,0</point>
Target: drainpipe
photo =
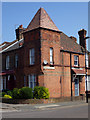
<point>71,75</point>
<point>86,78</point>
<point>62,79</point>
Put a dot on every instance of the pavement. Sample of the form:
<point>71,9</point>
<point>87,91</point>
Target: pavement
<point>25,107</point>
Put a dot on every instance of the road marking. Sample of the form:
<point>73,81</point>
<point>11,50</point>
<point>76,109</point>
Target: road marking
<point>46,106</point>
<point>71,106</point>
<point>2,111</point>
<point>59,106</point>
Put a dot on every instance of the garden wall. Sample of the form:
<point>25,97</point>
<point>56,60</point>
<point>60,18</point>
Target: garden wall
<point>40,101</point>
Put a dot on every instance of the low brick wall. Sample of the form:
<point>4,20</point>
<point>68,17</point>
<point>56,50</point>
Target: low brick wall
<point>41,101</point>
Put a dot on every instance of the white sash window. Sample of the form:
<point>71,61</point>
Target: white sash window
<point>32,81</point>
<point>75,60</point>
<point>16,60</point>
<point>51,55</point>
<point>7,62</point>
<point>32,56</point>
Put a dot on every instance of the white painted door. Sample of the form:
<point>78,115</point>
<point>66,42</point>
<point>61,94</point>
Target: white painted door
<point>76,87</point>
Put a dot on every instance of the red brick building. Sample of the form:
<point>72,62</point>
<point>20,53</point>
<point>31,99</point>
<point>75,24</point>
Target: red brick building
<point>42,55</point>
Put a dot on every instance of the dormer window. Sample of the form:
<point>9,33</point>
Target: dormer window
<point>75,60</point>
<point>7,62</point>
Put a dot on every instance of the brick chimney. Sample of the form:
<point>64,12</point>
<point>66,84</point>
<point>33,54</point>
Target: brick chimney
<point>73,38</point>
<point>19,32</point>
<point>82,34</point>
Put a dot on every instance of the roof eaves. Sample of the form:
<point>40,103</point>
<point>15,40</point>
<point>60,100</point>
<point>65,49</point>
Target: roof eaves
<point>71,52</point>
<point>42,28</point>
<point>10,45</point>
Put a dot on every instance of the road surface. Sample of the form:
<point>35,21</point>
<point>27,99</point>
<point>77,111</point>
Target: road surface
<point>71,111</point>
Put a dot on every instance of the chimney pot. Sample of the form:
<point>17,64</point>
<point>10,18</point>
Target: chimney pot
<point>19,32</point>
<point>21,26</point>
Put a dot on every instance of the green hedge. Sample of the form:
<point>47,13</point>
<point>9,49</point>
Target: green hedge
<point>23,93</point>
<point>3,93</point>
<point>26,93</point>
<point>7,92</point>
<point>38,92</point>
<point>41,92</point>
<point>16,93</point>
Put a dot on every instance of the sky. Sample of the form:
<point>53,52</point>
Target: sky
<point>69,17</point>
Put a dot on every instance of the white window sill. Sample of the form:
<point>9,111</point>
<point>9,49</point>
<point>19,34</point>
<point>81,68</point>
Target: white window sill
<point>48,68</point>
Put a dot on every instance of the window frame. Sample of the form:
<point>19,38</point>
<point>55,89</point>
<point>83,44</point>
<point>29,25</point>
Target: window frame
<point>76,60</point>
<point>51,56</point>
<point>16,60</point>
<point>31,56</point>
<point>7,62</point>
<point>25,82</point>
<point>1,83</point>
<point>32,80</point>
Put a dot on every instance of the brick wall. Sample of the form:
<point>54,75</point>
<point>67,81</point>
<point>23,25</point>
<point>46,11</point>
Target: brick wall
<point>56,78</point>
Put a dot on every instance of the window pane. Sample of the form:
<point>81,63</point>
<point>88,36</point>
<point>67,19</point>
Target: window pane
<point>32,56</point>
<point>32,51</point>
<point>30,84</point>
<point>1,83</point>
<point>32,81</point>
<point>51,55</point>
<point>51,51</point>
<point>75,60</point>
<point>16,61</point>
<point>75,63</point>
<point>7,62</point>
<point>24,81</point>
<point>29,80</point>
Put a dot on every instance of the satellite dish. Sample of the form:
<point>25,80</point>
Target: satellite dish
<point>45,62</point>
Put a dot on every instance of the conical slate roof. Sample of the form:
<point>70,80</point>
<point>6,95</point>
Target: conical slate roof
<point>42,19</point>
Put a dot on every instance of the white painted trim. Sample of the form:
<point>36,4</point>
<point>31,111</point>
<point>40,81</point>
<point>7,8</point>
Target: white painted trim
<point>2,45</point>
<point>77,68</point>
<point>47,67</point>
<point>80,74</point>
<point>10,46</point>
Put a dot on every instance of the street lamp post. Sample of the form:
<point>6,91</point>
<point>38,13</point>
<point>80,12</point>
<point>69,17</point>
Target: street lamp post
<point>86,73</point>
<point>86,79</point>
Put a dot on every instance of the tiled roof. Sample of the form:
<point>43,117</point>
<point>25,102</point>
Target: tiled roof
<point>3,45</point>
<point>42,19</point>
<point>78,71</point>
<point>12,46</point>
<point>69,44</point>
